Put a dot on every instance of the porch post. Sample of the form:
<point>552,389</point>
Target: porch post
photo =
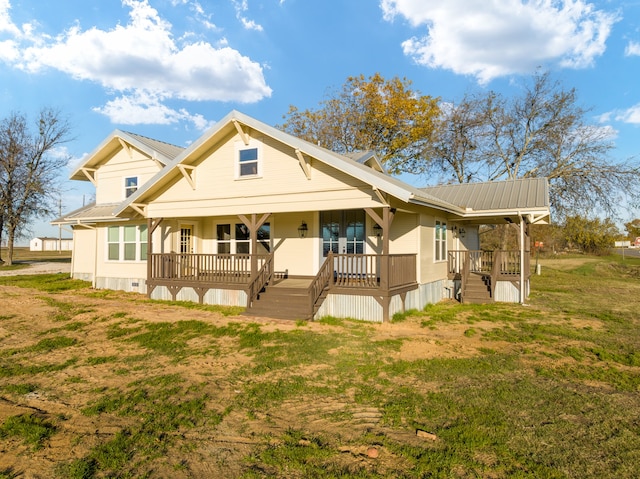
<point>254,225</point>
<point>522,288</point>
<point>149,247</point>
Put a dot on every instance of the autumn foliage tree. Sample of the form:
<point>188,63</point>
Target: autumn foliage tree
<point>590,235</point>
<point>29,169</point>
<point>387,116</point>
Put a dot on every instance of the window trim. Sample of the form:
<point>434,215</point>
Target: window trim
<point>233,241</point>
<point>240,147</point>
<point>140,242</point>
<point>133,189</point>
<point>440,245</point>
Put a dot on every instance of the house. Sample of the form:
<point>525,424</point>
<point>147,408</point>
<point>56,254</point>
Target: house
<point>44,243</point>
<point>251,216</point>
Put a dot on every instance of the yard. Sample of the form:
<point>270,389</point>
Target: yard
<point>106,384</point>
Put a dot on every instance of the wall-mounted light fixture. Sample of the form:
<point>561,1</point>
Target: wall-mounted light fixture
<point>303,230</point>
<point>462,232</point>
<point>377,230</point>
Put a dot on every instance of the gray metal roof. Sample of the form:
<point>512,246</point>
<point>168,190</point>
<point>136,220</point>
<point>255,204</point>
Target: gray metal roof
<point>163,148</point>
<point>524,193</point>
<point>89,214</point>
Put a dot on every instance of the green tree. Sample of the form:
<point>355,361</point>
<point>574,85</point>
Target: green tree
<point>29,169</point>
<point>590,235</point>
<point>386,116</point>
<point>633,229</point>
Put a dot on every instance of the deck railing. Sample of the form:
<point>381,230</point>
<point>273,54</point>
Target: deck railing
<point>506,262</point>
<point>204,268</point>
<point>260,279</point>
<point>374,271</point>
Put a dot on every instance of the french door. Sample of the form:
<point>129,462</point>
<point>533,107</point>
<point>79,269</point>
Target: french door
<point>342,231</point>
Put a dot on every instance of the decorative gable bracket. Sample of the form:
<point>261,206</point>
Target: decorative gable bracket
<point>304,164</point>
<point>245,138</point>
<point>139,208</point>
<point>189,173</point>
<point>90,173</point>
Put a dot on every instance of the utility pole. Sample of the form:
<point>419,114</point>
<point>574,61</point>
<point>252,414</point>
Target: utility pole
<point>60,227</point>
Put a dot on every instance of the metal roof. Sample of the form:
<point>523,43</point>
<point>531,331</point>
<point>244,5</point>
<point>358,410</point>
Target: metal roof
<point>89,214</point>
<point>523,193</point>
<point>166,149</point>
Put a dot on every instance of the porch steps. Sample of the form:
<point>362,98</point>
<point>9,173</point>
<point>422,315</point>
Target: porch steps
<point>281,302</point>
<point>477,290</point>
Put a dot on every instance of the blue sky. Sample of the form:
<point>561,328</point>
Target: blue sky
<point>168,69</point>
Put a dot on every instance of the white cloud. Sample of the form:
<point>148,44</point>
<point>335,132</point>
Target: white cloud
<point>496,38</point>
<point>242,6</point>
<point>633,49</point>
<point>630,115</point>
<point>141,60</point>
<point>148,108</point>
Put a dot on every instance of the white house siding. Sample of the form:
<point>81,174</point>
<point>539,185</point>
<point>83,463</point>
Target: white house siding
<point>110,176</point>
<point>83,261</point>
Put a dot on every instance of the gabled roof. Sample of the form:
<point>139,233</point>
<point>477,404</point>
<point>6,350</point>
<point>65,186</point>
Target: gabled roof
<point>160,151</point>
<point>377,179</point>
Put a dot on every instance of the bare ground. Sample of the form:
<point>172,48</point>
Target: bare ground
<point>60,396</point>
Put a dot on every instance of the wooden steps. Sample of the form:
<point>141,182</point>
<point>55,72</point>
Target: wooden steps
<point>477,289</point>
<point>282,302</point>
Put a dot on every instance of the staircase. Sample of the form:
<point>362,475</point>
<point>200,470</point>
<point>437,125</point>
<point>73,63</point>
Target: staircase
<point>286,300</point>
<point>477,289</point>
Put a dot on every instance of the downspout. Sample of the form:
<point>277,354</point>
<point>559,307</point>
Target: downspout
<point>95,260</point>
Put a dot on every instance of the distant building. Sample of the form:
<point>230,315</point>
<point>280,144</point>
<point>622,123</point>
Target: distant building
<point>51,244</point>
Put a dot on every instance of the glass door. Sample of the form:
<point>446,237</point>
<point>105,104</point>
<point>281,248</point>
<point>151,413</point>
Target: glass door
<point>342,231</point>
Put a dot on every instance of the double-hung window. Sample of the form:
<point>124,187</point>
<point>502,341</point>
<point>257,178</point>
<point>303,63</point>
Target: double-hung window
<point>441,241</point>
<point>127,243</point>
<point>130,185</point>
<point>248,162</point>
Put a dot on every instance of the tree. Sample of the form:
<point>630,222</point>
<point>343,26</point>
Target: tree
<point>29,169</point>
<point>542,132</point>
<point>590,235</point>
<point>375,114</point>
<point>633,229</point>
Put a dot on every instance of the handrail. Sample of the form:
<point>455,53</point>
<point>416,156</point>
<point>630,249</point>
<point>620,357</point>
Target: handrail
<point>464,276</point>
<point>320,282</point>
<point>495,271</point>
<point>259,280</point>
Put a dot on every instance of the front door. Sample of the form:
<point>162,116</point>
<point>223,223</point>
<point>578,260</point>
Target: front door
<point>342,232</point>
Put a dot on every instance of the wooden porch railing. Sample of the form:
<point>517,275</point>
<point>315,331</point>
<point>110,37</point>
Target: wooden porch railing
<point>385,273</point>
<point>203,268</point>
<point>499,264</point>
<point>259,280</point>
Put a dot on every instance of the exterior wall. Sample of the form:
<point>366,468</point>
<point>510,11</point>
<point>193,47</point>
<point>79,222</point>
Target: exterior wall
<point>282,187</point>
<point>83,260</point>
<point>110,176</point>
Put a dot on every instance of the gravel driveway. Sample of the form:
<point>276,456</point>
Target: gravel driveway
<point>38,267</point>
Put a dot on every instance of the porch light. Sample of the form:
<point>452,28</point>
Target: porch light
<point>377,230</point>
<point>462,232</point>
<point>303,230</point>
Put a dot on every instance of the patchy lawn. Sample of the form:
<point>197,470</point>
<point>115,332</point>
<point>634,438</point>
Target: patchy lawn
<point>105,384</point>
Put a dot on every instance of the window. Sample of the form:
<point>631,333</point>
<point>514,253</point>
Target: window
<point>240,242</point>
<point>248,162</point>
<point>242,239</point>
<point>130,185</point>
<point>441,241</point>
<point>224,239</point>
<point>127,243</point>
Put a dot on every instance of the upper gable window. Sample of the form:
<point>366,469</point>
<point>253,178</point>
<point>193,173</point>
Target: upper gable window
<point>130,185</point>
<point>248,162</point>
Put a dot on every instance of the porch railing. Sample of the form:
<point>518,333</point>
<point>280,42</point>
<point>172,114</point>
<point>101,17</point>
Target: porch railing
<point>204,268</point>
<point>502,262</point>
<point>261,278</point>
<point>372,271</point>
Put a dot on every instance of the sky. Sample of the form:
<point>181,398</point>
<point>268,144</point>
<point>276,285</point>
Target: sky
<point>169,69</point>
